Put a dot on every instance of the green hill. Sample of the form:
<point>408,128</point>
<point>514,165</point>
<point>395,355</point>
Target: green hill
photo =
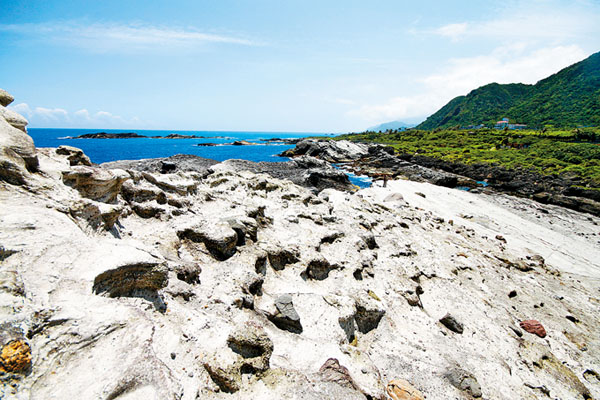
<point>568,98</point>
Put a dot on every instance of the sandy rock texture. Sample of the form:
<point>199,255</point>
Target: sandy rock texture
<point>231,284</point>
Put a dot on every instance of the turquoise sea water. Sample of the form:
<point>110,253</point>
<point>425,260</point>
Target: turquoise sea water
<point>104,150</point>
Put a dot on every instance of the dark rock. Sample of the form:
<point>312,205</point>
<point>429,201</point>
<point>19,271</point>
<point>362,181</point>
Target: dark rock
<point>512,293</point>
<point>146,210</point>
<point>167,167</point>
<point>464,381</point>
<point>368,314</point>
<point>451,323</point>
<point>318,269</point>
<point>189,273</point>
<point>104,135</point>
<point>279,258</point>
<point>286,318</point>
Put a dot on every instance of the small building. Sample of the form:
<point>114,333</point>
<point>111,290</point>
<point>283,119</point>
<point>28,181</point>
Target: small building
<point>506,124</point>
<point>502,124</point>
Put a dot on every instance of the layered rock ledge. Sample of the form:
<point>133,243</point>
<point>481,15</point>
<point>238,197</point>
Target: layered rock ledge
<point>146,281</point>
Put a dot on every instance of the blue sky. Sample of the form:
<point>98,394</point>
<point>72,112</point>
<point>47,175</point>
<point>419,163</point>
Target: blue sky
<point>272,65</point>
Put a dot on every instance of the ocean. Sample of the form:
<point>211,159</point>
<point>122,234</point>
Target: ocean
<point>105,150</point>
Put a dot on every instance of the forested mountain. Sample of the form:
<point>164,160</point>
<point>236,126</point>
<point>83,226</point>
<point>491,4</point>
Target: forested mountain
<point>568,98</point>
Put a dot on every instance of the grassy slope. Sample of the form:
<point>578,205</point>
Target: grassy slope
<point>550,152</point>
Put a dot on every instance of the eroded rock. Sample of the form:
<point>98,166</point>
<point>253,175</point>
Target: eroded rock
<point>451,323</point>
<point>534,327</point>
<point>464,381</point>
<point>74,155</point>
<point>220,238</point>
<point>400,389</point>
<point>95,183</point>
<point>286,317</point>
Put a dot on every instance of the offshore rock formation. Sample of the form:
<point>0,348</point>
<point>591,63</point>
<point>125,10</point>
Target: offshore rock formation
<point>225,283</point>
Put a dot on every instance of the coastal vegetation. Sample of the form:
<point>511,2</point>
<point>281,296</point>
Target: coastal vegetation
<point>574,153</point>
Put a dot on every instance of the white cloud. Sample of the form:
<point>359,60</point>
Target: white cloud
<point>535,21</point>
<point>50,114</point>
<point>506,64</point>
<point>61,118</point>
<point>121,37</point>
<point>454,31</point>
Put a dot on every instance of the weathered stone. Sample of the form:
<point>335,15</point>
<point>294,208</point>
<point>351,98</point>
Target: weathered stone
<point>5,98</point>
<point>14,119</point>
<point>147,210</point>
<point>451,323</point>
<point>368,313</point>
<point>245,227</point>
<point>15,357</point>
<point>95,183</point>
<point>286,318</point>
<point>17,154</point>
<point>280,257</point>
<point>318,269</point>
<point>228,379</point>
<point>399,389</point>
<point>142,192</point>
<point>332,371</point>
<point>188,273</point>
<point>464,381</point>
<point>134,280</point>
<point>95,214</point>
<point>10,282</point>
<point>220,239</point>
<point>254,346</point>
<point>74,155</point>
<point>534,327</point>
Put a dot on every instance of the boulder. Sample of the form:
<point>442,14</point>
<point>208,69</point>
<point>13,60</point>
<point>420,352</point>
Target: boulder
<point>74,155</point>
<point>219,238</point>
<point>286,317</point>
<point>95,183</point>
<point>369,312</point>
<point>13,118</point>
<point>451,323</point>
<point>17,154</point>
<point>5,98</point>
<point>332,371</point>
<point>464,381</point>
<point>329,150</point>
